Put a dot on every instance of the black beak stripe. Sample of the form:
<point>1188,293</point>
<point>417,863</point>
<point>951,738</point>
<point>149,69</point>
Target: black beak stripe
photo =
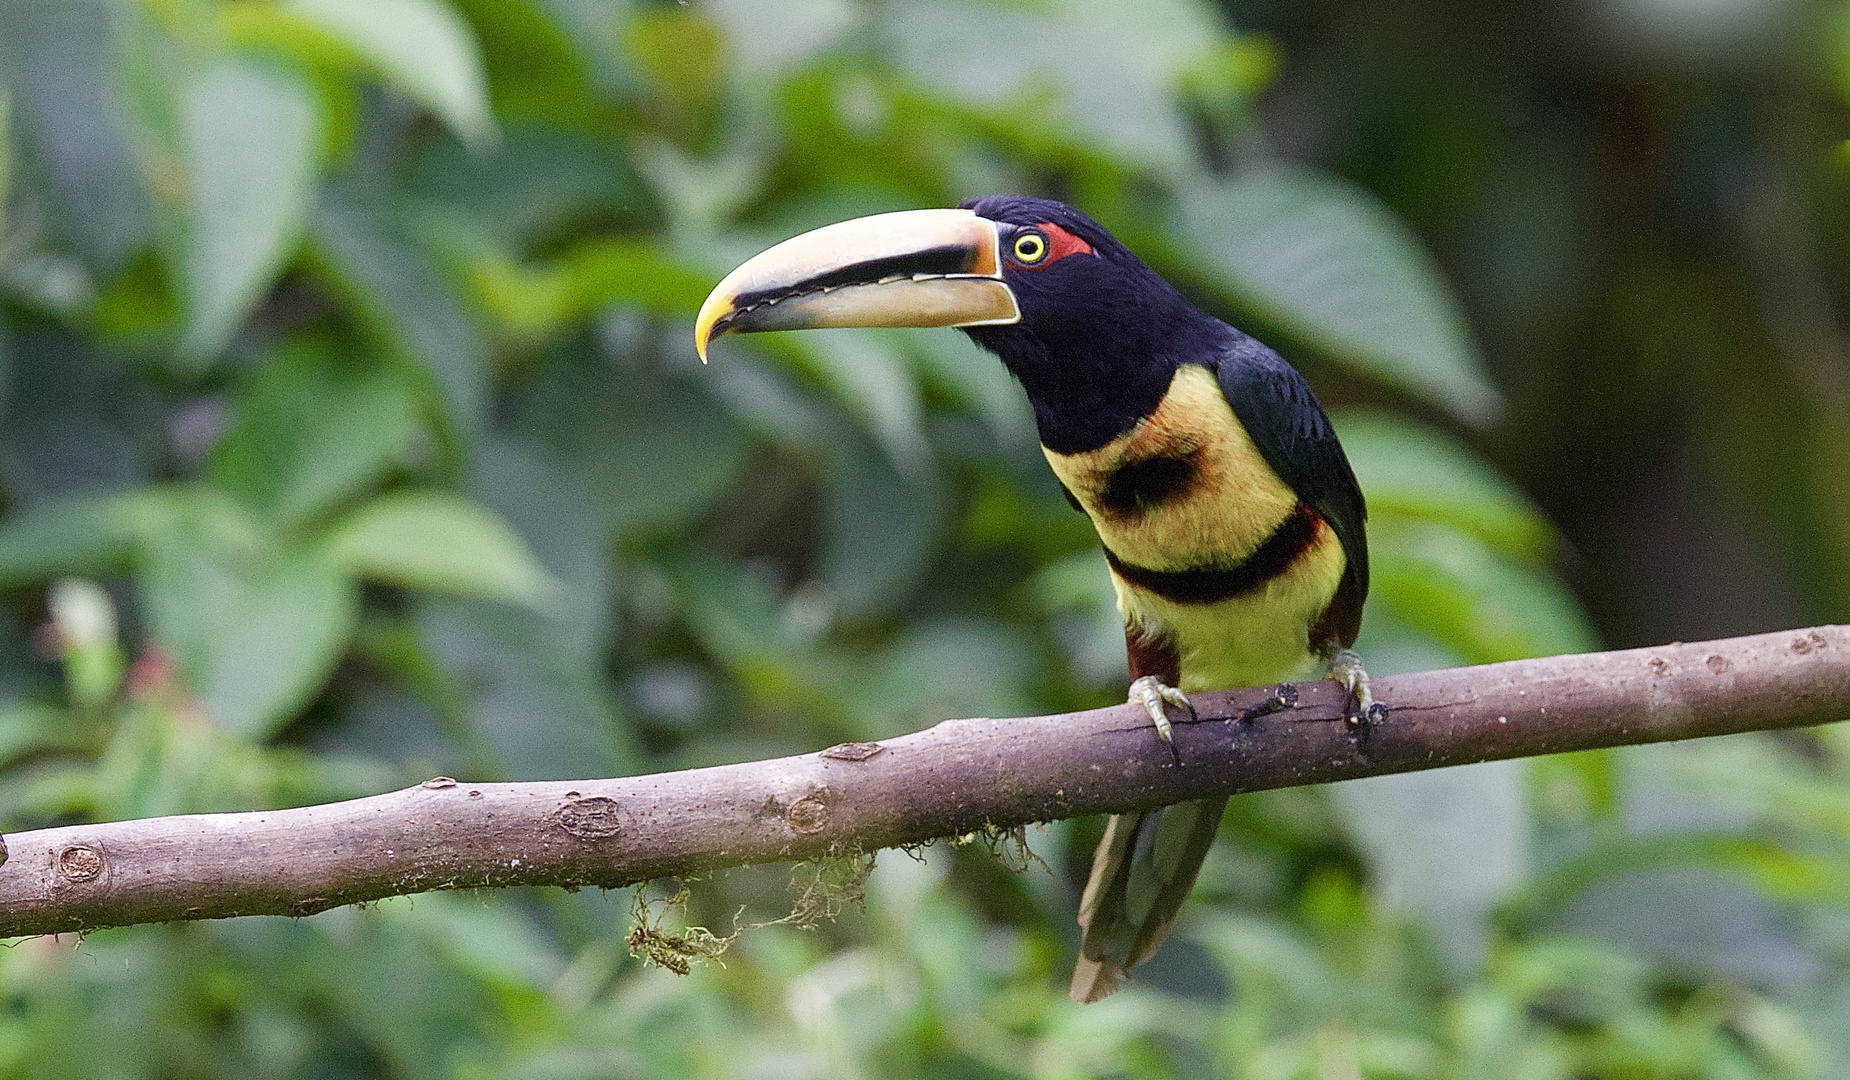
<point>932,262</point>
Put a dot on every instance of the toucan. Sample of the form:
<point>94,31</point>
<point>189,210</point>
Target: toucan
<point>1230,519</point>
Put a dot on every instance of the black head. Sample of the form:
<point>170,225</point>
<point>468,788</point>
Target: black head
<point>1100,333</point>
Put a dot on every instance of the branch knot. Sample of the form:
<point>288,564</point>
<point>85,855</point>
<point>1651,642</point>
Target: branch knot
<point>595,818</point>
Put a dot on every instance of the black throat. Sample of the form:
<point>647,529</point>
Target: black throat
<point>1092,370</point>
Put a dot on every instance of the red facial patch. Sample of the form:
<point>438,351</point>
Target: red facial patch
<point>1060,244</point>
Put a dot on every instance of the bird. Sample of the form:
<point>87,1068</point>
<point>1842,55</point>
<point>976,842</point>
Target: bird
<point>1231,522</point>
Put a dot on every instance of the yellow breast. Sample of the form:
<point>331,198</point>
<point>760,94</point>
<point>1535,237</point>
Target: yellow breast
<point>1229,501</point>
<point>1187,489</point>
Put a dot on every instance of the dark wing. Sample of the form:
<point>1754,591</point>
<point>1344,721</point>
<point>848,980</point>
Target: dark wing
<point>1277,408</point>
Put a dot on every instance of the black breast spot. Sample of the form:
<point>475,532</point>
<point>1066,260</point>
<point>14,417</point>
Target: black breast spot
<point>1143,485</point>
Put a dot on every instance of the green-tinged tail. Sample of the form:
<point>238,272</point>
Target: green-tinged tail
<point>1141,874</point>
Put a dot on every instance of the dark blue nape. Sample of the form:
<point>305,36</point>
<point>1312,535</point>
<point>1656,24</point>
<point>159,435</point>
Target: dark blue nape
<point>1100,336</point>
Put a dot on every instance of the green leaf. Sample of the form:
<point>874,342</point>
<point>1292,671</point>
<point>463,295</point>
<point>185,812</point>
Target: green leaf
<point>28,726</point>
<point>881,529</point>
<point>1407,469</point>
<point>552,511</point>
<point>191,568</point>
<point>771,37</point>
<point>943,669</point>
<point>767,642</point>
<point>1330,263</point>
<point>1446,844</point>
<point>257,28</point>
<point>1837,44</point>
<point>1391,647</point>
<point>683,54</point>
<point>607,428</point>
<point>86,536</point>
<point>249,140</point>
<point>534,68</point>
<point>1111,67</point>
<point>1075,591</point>
<point>865,370</point>
<point>1722,925</point>
<point>1453,587</point>
<point>396,290</point>
<point>1160,40</point>
<point>422,47</point>
<point>1739,781</point>
<point>6,153</point>
<point>1256,949</point>
<point>312,430</point>
<point>272,643</point>
<point>738,615</point>
<point>499,946</point>
<point>538,300</point>
<point>977,381</point>
<point>255,627</point>
<point>532,184</point>
<point>425,540</point>
<point>538,697</point>
<point>1777,870</point>
<point>58,62</point>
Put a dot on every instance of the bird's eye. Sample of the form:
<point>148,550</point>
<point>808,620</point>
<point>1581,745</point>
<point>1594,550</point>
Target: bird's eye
<point>1030,247</point>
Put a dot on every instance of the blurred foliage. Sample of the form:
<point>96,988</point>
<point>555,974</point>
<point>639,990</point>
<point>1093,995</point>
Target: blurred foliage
<point>352,434</point>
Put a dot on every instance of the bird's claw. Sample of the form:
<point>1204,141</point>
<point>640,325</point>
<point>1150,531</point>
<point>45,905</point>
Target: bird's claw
<point>1154,694</point>
<point>1360,709</point>
<point>1284,696</point>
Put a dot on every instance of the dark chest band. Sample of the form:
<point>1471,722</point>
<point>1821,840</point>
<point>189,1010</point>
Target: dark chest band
<point>1211,585</point>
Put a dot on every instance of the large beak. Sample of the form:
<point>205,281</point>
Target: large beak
<point>911,268</point>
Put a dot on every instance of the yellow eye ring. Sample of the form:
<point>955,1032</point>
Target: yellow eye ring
<point>1030,247</point>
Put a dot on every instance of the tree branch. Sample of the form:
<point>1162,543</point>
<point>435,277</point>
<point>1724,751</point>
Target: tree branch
<point>954,778</point>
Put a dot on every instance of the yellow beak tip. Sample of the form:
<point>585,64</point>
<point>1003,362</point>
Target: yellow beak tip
<point>718,305</point>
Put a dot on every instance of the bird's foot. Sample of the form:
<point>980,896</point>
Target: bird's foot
<point>1154,694</point>
<point>1360,709</point>
<point>1284,696</point>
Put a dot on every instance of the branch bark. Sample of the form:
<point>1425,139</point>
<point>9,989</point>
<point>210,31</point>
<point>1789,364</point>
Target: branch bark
<point>950,779</point>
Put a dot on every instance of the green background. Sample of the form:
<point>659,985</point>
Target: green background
<point>352,434</point>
